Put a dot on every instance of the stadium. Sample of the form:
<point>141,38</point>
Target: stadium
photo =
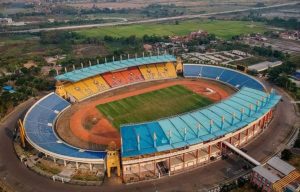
<point>148,117</point>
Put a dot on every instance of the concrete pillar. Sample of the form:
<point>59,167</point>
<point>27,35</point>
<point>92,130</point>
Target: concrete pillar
<point>154,167</point>
<point>77,165</point>
<point>139,170</point>
<point>183,158</point>
<point>169,166</point>
<point>65,163</point>
<point>54,159</point>
<point>197,156</point>
<point>91,167</point>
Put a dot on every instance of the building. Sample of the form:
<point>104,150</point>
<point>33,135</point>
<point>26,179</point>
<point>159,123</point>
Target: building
<point>276,175</point>
<point>259,67</point>
<point>6,21</point>
<point>162,147</point>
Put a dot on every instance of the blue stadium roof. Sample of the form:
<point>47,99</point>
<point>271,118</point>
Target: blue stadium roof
<point>38,124</point>
<point>84,73</point>
<point>198,126</point>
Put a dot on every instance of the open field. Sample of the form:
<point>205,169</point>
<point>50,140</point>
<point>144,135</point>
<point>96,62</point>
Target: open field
<point>185,3</point>
<point>223,29</point>
<point>154,105</point>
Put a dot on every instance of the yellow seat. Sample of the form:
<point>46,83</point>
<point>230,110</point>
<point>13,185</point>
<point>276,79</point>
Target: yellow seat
<point>145,72</point>
<point>171,70</point>
<point>75,91</point>
<point>100,83</point>
<point>91,85</point>
<point>87,87</point>
<point>153,71</point>
<point>162,73</point>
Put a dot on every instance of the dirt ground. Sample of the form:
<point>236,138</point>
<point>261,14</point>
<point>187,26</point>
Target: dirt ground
<point>85,127</point>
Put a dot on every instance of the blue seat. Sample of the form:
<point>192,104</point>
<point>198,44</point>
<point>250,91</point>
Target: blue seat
<point>38,125</point>
<point>234,78</point>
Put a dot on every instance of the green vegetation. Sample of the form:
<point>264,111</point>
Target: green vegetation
<point>154,105</point>
<point>86,176</point>
<point>47,168</point>
<point>281,76</point>
<point>290,23</point>
<point>249,61</point>
<point>26,83</point>
<point>240,184</point>
<point>295,161</point>
<point>222,29</point>
<point>246,188</point>
<point>286,155</point>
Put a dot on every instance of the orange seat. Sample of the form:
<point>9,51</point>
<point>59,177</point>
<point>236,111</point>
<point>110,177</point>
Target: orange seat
<point>132,75</point>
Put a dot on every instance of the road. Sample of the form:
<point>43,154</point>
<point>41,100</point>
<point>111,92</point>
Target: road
<point>22,179</point>
<point>151,20</point>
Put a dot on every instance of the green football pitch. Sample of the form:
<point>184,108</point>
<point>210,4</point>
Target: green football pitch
<point>153,105</point>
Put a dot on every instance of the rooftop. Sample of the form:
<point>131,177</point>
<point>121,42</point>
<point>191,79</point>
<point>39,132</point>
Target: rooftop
<point>197,126</point>
<point>264,65</point>
<point>280,165</point>
<point>265,173</point>
<point>83,73</point>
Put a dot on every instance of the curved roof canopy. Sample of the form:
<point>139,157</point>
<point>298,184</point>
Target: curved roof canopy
<point>80,74</point>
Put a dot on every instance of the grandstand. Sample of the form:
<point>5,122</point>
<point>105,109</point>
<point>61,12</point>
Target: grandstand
<point>39,122</point>
<point>83,83</point>
<point>174,144</point>
<point>230,77</point>
<point>132,75</point>
<point>164,146</point>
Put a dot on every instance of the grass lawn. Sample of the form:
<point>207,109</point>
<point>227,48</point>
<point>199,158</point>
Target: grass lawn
<point>153,105</point>
<point>222,29</point>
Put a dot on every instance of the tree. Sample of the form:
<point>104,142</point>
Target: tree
<point>286,155</point>
<point>52,73</point>
<point>297,143</point>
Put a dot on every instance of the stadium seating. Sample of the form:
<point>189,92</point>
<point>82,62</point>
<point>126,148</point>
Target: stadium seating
<point>162,72</point>
<point>149,72</point>
<point>158,71</point>
<point>38,124</point>
<point>166,71</point>
<point>90,85</point>
<point>81,74</point>
<point>115,79</point>
<point>87,87</point>
<point>76,90</point>
<point>198,126</point>
<point>100,83</point>
<point>132,75</point>
<point>171,70</point>
<point>234,78</point>
<point>145,72</point>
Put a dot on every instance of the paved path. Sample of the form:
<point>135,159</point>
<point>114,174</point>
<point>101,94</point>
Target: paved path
<point>205,15</point>
<point>24,180</point>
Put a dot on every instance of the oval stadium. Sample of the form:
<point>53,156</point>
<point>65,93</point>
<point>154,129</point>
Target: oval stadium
<point>147,117</point>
